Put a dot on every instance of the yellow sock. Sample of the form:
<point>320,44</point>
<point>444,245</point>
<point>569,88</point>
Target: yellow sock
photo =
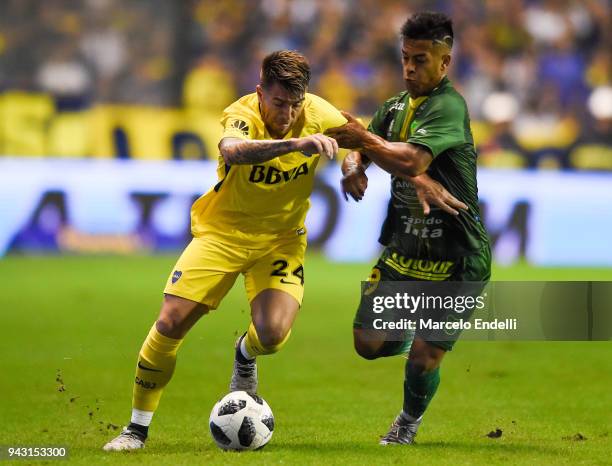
<point>255,348</point>
<point>156,363</point>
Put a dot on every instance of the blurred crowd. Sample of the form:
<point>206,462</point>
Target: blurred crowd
<point>535,73</point>
<point>86,51</point>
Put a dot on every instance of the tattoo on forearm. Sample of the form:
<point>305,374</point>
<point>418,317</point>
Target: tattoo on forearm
<point>252,152</point>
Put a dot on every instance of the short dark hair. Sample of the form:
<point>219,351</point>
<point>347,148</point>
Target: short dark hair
<point>429,25</point>
<point>288,68</point>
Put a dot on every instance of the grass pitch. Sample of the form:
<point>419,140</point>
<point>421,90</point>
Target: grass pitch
<point>72,327</point>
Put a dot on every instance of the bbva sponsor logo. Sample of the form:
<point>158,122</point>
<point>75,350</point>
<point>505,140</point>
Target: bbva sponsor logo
<point>270,175</point>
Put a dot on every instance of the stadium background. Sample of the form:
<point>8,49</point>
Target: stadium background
<point>101,81</point>
<point>108,130</point>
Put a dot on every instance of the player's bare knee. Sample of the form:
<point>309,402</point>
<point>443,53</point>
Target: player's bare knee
<point>177,316</point>
<point>272,338</point>
<point>168,326</point>
<point>366,351</point>
<point>365,348</point>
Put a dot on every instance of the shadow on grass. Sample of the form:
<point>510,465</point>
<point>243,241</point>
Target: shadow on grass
<point>424,447</point>
<point>320,448</point>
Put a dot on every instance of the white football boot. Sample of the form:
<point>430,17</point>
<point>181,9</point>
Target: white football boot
<point>126,440</point>
<point>402,432</point>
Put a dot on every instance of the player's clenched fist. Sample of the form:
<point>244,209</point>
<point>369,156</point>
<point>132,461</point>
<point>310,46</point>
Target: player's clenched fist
<point>318,144</point>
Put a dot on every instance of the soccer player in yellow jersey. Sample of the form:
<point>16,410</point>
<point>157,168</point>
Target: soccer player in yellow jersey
<point>252,223</point>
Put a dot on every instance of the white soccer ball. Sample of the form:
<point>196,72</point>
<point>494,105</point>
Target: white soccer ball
<point>240,421</point>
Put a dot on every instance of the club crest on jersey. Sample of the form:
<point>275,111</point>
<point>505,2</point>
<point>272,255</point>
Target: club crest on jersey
<point>241,126</point>
<point>176,275</point>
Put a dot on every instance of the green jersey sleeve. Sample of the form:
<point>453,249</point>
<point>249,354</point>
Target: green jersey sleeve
<point>441,126</point>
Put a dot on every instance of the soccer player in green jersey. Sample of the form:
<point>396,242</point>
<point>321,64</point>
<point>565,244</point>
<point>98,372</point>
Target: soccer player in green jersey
<point>425,129</point>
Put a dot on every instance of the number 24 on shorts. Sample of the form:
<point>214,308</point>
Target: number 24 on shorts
<point>281,266</point>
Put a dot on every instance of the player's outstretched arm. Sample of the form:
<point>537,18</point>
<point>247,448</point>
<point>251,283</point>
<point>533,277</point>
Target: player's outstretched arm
<point>236,151</point>
<point>398,158</point>
<point>429,191</point>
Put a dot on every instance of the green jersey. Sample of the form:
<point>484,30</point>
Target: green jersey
<point>439,122</point>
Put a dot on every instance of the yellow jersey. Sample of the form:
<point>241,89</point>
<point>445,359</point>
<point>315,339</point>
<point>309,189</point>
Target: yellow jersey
<point>265,201</point>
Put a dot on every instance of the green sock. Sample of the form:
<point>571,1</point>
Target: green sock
<point>419,389</point>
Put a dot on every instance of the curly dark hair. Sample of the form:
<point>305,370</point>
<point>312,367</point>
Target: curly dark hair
<point>288,68</point>
<point>429,25</point>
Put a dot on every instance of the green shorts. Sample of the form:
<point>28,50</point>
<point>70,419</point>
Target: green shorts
<point>468,274</point>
